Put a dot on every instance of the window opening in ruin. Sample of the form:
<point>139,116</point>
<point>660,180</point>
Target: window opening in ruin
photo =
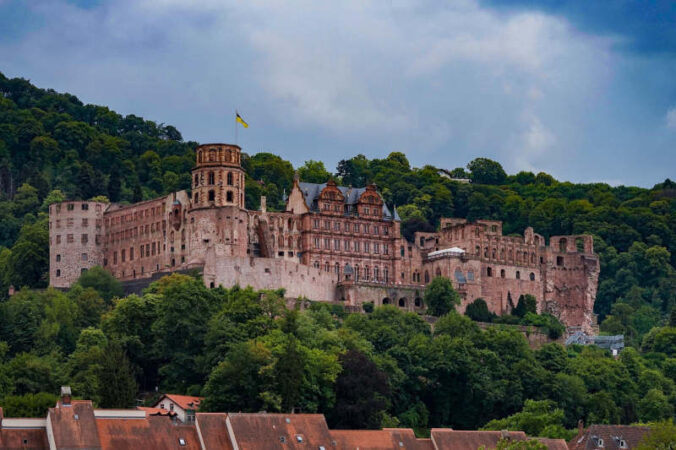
<point>502,273</point>
<point>532,276</point>
<point>197,200</point>
<point>229,179</point>
<point>518,275</point>
<point>427,277</point>
<point>563,245</point>
<point>559,260</point>
<point>470,275</point>
<point>579,245</point>
<point>402,302</point>
<point>212,178</point>
<point>489,272</point>
<point>418,302</point>
<point>212,196</point>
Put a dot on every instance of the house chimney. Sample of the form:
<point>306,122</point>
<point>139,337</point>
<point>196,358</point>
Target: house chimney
<point>504,434</point>
<point>65,395</point>
<point>264,205</point>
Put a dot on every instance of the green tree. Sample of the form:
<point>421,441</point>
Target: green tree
<point>28,405</point>
<point>117,386</point>
<point>440,297</point>
<point>313,172</point>
<point>30,256</point>
<point>662,436</point>
<point>478,311</point>
<point>362,393</point>
<point>102,282</point>
<point>486,171</point>
<point>655,406</point>
<point>538,418</point>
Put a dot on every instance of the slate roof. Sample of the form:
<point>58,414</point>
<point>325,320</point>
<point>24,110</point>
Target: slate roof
<point>612,436</point>
<point>311,193</point>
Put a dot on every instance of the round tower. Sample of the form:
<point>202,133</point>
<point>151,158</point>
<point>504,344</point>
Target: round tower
<point>218,178</point>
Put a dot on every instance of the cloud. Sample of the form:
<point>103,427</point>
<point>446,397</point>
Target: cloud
<point>671,118</point>
<point>328,80</point>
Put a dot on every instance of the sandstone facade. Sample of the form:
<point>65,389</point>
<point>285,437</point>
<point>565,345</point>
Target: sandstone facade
<point>332,243</point>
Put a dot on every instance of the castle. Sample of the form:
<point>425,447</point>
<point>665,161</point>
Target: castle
<point>333,243</point>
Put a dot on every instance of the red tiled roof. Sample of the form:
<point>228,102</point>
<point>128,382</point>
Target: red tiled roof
<point>213,431</point>
<point>470,440</point>
<point>156,411</point>
<point>554,444</point>
<point>611,435</point>
<point>151,433</point>
<point>184,401</point>
<point>407,437</point>
<point>74,425</point>
<point>363,439</point>
<point>36,439</point>
<point>267,431</point>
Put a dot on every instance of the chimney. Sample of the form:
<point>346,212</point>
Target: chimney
<point>504,434</point>
<point>65,395</point>
<point>580,426</point>
<point>264,205</point>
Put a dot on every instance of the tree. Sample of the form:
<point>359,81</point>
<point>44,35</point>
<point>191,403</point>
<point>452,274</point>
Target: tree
<point>28,405</point>
<point>117,386</point>
<point>655,406</point>
<point>313,172</point>
<point>289,374</point>
<point>102,282</point>
<point>662,436</point>
<point>526,304</point>
<point>486,171</point>
<point>440,297</point>
<point>538,418</point>
<point>30,256</point>
<point>478,311</point>
<point>362,392</point>
<point>55,196</point>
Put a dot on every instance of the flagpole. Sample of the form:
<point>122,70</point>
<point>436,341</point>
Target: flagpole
<point>236,142</point>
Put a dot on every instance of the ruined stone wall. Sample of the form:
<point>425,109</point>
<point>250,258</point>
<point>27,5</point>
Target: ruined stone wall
<point>147,237</point>
<point>266,273</point>
<point>409,298</point>
<point>75,240</point>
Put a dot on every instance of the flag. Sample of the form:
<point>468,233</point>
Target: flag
<point>240,120</point>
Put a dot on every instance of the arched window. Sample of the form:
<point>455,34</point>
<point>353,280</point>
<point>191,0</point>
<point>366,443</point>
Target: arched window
<point>418,302</point>
<point>489,272</point>
<point>532,276</point>
<point>477,250</point>
<point>376,273</point>
<point>229,179</point>
<point>386,301</point>
<point>356,272</point>
<point>228,196</point>
<point>494,253</point>
<point>502,273</point>
<point>212,196</point>
<point>438,272</point>
<point>532,258</point>
<point>212,178</point>
<point>427,277</point>
<point>518,275</point>
<point>402,302</point>
<point>485,252</point>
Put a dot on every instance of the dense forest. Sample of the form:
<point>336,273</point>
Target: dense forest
<point>54,147</point>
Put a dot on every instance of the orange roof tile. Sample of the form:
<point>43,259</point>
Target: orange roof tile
<point>268,431</point>
<point>470,440</point>
<point>151,433</point>
<point>554,444</point>
<point>24,438</point>
<point>156,411</point>
<point>406,436</point>
<point>74,425</point>
<point>363,439</point>
<point>213,431</point>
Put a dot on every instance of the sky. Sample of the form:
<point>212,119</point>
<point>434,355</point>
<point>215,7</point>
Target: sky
<point>585,91</point>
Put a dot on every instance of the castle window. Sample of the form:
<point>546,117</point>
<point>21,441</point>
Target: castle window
<point>131,253</point>
<point>489,272</point>
<point>532,258</point>
<point>326,267</point>
<point>563,245</point>
<point>197,180</point>
<point>401,250</point>
<point>123,253</point>
<point>228,196</point>
<point>315,223</point>
<point>58,272</point>
<point>229,179</point>
<point>485,252</point>
<point>386,275</point>
<point>559,260</point>
<point>114,257</point>
<point>366,247</point>
<point>357,246</point>
<point>438,272</point>
<point>376,273</point>
<point>70,239</point>
<point>316,242</point>
<point>337,269</point>
<point>336,244</point>
<point>422,241</point>
<point>336,226</point>
<point>70,207</point>
<point>197,197</point>
<point>518,275</point>
<point>347,245</point>
<point>327,225</point>
<point>212,196</point>
<point>327,243</point>
<point>316,264</point>
<point>427,277</point>
<point>356,228</point>
<point>58,258</point>
<point>470,275</point>
<point>386,249</point>
<point>84,257</point>
<point>502,273</point>
<point>85,222</point>
<point>532,276</point>
<point>212,178</point>
<point>376,248</point>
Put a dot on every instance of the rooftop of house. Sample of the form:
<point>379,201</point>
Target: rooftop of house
<point>185,402</point>
<point>608,437</point>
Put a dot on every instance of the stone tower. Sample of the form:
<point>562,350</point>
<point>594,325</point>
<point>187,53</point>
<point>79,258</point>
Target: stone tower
<point>218,178</point>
